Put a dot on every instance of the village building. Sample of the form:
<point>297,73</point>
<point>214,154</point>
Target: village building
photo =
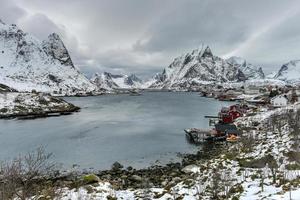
<point>279,101</point>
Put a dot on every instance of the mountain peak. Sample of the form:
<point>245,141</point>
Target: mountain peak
<point>46,65</point>
<point>55,47</point>
<point>207,52</point>
<point>289,71</point>
<point>54,36</point>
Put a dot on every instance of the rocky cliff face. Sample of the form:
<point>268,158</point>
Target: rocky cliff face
<point>28,64</point>
<point>55,48</point>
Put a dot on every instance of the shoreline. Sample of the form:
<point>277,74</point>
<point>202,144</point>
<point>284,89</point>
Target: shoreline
<point>162,180</point>
<point>199,171</point>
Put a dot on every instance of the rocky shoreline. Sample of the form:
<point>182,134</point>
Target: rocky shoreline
<point>155,176</point>
<point>200,170</point>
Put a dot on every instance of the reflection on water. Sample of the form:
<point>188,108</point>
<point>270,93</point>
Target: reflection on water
<point>134,130</point>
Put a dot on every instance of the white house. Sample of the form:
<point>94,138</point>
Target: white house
<point>279,101</point>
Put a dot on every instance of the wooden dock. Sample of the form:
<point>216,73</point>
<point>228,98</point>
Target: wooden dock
<point>209,116</point>
<point>196,135</point>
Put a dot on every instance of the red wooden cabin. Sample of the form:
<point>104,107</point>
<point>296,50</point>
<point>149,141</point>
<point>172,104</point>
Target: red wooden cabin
<point>228,115</point>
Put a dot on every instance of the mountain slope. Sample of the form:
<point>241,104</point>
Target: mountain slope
<point>28,64</point>
<point>289,72</point>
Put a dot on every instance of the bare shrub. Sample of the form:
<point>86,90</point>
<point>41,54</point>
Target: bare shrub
<point>26,176</point>
<point>216,183</point>
<point>247,143</point>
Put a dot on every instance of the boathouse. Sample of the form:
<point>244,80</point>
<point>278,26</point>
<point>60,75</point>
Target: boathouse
<point>228,115</point>
<point>279,101</point>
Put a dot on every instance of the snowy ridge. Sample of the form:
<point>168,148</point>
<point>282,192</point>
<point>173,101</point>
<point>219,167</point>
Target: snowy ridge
<point>249,70</point>
<point>202,67</point>
<point>28,64</point>
<point>289,72</point>
<point>110,81</point>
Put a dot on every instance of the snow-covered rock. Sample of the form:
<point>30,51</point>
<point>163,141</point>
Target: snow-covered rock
<point>110,81</point>
<point>28,64</point>
<point>289,72</point>
<point>55,47</point>
<point>202,67</point>
<point>14,104</point>
<point>191,169</point>
<point>249,70</point>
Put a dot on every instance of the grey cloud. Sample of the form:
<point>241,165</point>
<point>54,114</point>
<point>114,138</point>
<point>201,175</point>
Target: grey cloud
<point>193,23</point>
<point>144,36</point>
<point>41,26</point>
<point>10,12</point>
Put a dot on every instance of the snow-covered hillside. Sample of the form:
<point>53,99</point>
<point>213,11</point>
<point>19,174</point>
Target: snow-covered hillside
<point>289,72</point>
<point>28,64</point>
<point>110,81</point>
<point>201,67</point>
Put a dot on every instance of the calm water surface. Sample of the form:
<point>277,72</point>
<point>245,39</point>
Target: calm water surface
<point>134,130</point>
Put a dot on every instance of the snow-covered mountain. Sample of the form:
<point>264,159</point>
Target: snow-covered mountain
<point>289,72</point>
<point>110,81</point>
<point>249,70</point>
<point>27,64</point>
<point>202,67</point>
<point>104,81</point>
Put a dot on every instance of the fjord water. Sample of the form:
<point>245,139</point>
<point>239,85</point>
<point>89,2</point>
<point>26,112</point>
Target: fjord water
<point>133,130</point>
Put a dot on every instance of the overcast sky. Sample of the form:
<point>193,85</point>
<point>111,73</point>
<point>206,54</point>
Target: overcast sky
<point>144,36</point>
